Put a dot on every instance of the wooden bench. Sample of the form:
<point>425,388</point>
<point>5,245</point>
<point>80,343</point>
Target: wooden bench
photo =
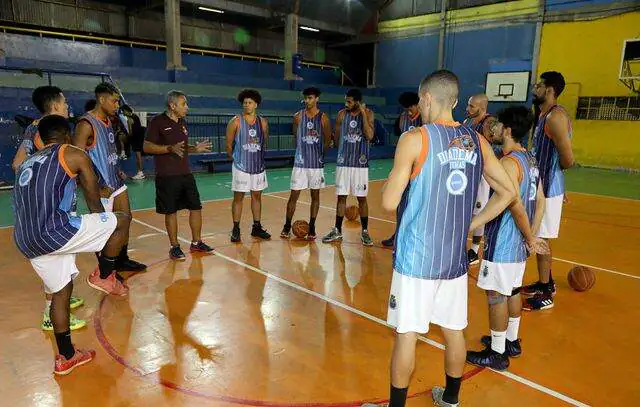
<point>212,162</point>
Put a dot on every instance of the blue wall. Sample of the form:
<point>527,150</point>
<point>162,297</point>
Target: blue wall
<point>404,62</point>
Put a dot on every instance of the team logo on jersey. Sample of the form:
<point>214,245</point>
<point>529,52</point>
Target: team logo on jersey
<point>456,182</point>
<point>353,124</point>
<point>112,159</point>
<point>461,151</point>
<point>309,125</point>
<point>311,137</point>
<point>392,302</point>
<point>340,159</point>
<point>485,271</point>
<point>252,132</point>
<point>363,159</point>
<point>25,177</point>
<point>111,137</point>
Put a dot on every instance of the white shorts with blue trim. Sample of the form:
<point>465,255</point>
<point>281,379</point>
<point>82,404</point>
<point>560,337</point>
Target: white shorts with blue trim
<point>501,277</point>
<point>550,226</point>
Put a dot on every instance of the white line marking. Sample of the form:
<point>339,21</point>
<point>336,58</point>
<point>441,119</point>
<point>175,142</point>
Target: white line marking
<point>372,318</point>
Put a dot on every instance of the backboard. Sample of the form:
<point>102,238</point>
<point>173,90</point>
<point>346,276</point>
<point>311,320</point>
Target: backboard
<point>507,86</point>
<point>630,64</point>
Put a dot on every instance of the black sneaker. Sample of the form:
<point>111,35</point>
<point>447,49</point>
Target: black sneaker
<point>538,302</point>
<point>235,235</point>
<point>286,232</point>
<point>489,358</point>
<point>176,253</point>
<point>259,232</point>
<point>389,242</point>
<point>472,257</point>
<point>130,265</point>
<point>200,247</point>
<point>513,349</point>
<point>539,288</point>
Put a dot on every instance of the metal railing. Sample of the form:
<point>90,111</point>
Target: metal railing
<point>50,72</point>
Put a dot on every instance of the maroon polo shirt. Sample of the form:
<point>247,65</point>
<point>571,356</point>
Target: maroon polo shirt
<point>162,130</point>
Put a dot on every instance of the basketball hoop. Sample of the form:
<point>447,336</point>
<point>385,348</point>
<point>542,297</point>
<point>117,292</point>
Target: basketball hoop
<point>630,65</point>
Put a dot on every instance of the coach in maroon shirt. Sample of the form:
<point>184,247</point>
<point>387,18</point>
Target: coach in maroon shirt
<point>168,140</point>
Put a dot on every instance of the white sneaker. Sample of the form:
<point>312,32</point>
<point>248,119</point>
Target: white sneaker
<point>139,176</point>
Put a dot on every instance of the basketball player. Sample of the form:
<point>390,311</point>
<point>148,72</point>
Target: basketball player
<point>312,132</point>
<point>50,236</point>
<point>247,136</point>
<point>441,163</point>
<point>508,240</point>
<point>477,119</point>
<point>176,189</point>
<point>552,148</point>
<point>95,134</point>
<point>354,127</point>
<point>49,100</point>
<point>408,120</point>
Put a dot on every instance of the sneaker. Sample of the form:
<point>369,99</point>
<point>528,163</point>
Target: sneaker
<point>286,232</point>
<point>109,285</point>
<point>311,235</point>
<point>130,265</point>
<point>74,323</point>
<point>513,349</point>
<point>139,176</point>
<point>200,247</point>
<point>333,236</point>
<point>436,393</point>
<point>259,232</point>
<point>176,253</point>
<point>390,241</point>
<point>489,358</point>
<point>75,302</point>
<point>538,302</point>
<point>472,257</point>
<point>81,357</point>
<point>538,288</point>
<point>235,235</point>
<point>366,239</point>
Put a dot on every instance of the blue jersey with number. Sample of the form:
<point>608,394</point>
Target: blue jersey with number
<point>353,150</point>
<point>43,196</point>
<point>103,152</point>
<point>309,141</point>
<point>503,241</point>
<point>432,236</point>
<point>250,145</point>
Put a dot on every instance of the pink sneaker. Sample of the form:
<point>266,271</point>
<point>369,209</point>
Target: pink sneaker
<point>109,285</point>
<point>81,357</point>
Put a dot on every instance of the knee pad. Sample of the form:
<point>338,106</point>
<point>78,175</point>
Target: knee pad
<point>496,298</point>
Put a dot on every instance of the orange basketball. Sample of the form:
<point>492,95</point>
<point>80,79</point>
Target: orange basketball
<point>300,228</point>
<point>352,212</point>
<point>581,278</point>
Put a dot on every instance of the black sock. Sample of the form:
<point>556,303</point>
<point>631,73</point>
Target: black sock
<point>236,225</point>
<point>339,223</point>
<point>398,397</point>
<point>107,265</point>
<point>364,220</point>
<point>287,224</point>
<point>65,347</point>
<point>256,224</point>
<point>124,253</point>
<point>451,390</point>
<point>312,225</point>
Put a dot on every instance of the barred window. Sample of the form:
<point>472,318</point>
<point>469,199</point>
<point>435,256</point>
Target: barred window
<point>624,108</point>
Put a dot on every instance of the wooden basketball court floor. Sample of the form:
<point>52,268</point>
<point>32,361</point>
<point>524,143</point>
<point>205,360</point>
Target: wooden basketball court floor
<point>292,323</point>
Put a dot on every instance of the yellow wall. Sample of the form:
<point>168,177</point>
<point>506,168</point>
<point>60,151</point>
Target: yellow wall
<point>588,53</point>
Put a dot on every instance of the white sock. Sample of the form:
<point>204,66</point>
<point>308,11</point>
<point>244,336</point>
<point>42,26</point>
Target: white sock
<point>498,341</point>
<point>475,247</point>
<point>47,306</point>
<point>512,329</point>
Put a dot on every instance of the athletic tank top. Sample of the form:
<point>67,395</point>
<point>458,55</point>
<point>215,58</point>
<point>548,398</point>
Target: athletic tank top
<point>548,157</point>
<point>103,152</point>
<point>248,151</point>
<point>503,241</point>
<point>408,123</point>
<point>353,149</point>
<point>309,141</point>
<point>43,198</point>
<point>432,236</point>
<point>478,126</point>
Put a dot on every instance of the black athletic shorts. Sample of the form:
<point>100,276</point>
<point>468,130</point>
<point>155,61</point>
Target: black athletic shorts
<point>177,192</point>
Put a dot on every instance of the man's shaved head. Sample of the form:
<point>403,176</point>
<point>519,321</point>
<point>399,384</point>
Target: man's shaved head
<point>442,86</point>
<point>477,106</point>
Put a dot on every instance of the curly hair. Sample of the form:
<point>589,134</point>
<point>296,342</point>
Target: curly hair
<point>250,94</point>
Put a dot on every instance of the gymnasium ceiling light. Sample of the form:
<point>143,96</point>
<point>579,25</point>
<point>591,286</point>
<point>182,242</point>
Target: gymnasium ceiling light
<point>213,10</point>
<point>315,30</point>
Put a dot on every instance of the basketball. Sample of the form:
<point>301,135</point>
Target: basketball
<point>352,212</point>
<point>581,278</point>
<point>300,228</point>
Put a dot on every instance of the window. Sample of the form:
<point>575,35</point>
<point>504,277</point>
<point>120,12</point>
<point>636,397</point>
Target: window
<point>623,108</point>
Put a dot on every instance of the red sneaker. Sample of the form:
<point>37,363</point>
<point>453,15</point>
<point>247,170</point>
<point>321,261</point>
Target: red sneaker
<point>81,357</point>
<point>109,285</point>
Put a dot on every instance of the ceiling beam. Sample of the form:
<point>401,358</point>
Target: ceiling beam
<point>255,11</point>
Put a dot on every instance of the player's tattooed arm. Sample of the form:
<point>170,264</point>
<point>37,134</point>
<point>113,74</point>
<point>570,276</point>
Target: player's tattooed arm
<point>79,163</point>
<point>558,128</point>
<point>83,135</point>
<point>405,160</point>
<point>232,130</point>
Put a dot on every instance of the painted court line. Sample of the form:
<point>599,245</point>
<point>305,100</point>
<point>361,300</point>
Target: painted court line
<point>554,258</point>
<point>372,318</point>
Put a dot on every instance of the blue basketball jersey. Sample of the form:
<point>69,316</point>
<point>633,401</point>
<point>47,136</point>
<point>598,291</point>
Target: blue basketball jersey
<point>548,157</point>
<point>477,126</point>
<point>353,149</point>
<point>103,152</point>
<point>409,123</point>
<point>431,239</point>
<point>309,141</point>
<point>43,197</point>
<point>250,145</point>
<point>503,241</point>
